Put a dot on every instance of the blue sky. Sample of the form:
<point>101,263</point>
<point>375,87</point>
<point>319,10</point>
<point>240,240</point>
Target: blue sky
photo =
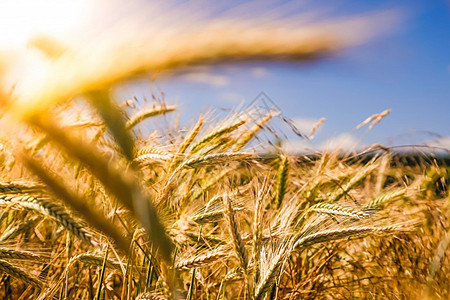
<point>407,70</point>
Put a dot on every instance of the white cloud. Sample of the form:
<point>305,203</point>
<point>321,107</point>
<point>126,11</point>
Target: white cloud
<point>259,72</point>
<point>298,146</point>
<point>304,124</point>
<point>231,97</point>
<point>442,143</point>
<point>344,142</point>
<point>207,78</point>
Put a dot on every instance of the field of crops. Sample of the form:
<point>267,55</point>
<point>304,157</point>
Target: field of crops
<point>98,203</point>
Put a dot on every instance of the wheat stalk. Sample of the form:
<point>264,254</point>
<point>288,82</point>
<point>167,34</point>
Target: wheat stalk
<point>148,113</point>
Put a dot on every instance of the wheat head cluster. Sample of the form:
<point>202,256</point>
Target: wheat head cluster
<point>95,203</point>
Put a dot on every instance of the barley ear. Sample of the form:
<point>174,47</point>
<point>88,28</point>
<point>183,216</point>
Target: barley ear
<point>148,113</point>
<point>238,244</point>
<point>252,132</point>
<point>216,134</point>
<point>282,177</point>
<point>18,273</point>
<point>121,183</point>
<point>95,218</point>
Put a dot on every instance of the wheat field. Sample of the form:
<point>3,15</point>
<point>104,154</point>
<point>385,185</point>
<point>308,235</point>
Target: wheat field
<point>94,204</point>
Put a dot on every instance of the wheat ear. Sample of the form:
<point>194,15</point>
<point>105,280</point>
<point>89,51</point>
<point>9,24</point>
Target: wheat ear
<point>357,178</point>
<point>269,275</point>
<point>19,187</point>
<point>209,184</point>
<point>96,219</point>
<point>190,137</point>
<point>214,159</point>
<point>148,113</point>
<point>94,260</point>
<point>334,209</point>
<point>120,183</point>
<point>213,211</point>
<point>201,260</point>
<point>238,244</point>
<point>51,209</point>
<point>252,132</point>
<point>385,199</point>
<point>18,273</point>
<point>18,254</point>
<point>150,153</point>
<point>16,230</point>
<point>340,233</point>
<point>216,134</point>
<point>114,119</point>
<point>282,178</point>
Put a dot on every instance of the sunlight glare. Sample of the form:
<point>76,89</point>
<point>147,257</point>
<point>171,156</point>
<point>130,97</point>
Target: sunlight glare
<point>20,20</point>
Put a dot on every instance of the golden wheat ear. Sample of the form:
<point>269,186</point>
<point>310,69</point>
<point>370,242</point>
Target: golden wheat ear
<point>122,183</point>
<point>96,219</point>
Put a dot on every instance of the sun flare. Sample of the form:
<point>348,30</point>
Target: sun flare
<point>20,20</point>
